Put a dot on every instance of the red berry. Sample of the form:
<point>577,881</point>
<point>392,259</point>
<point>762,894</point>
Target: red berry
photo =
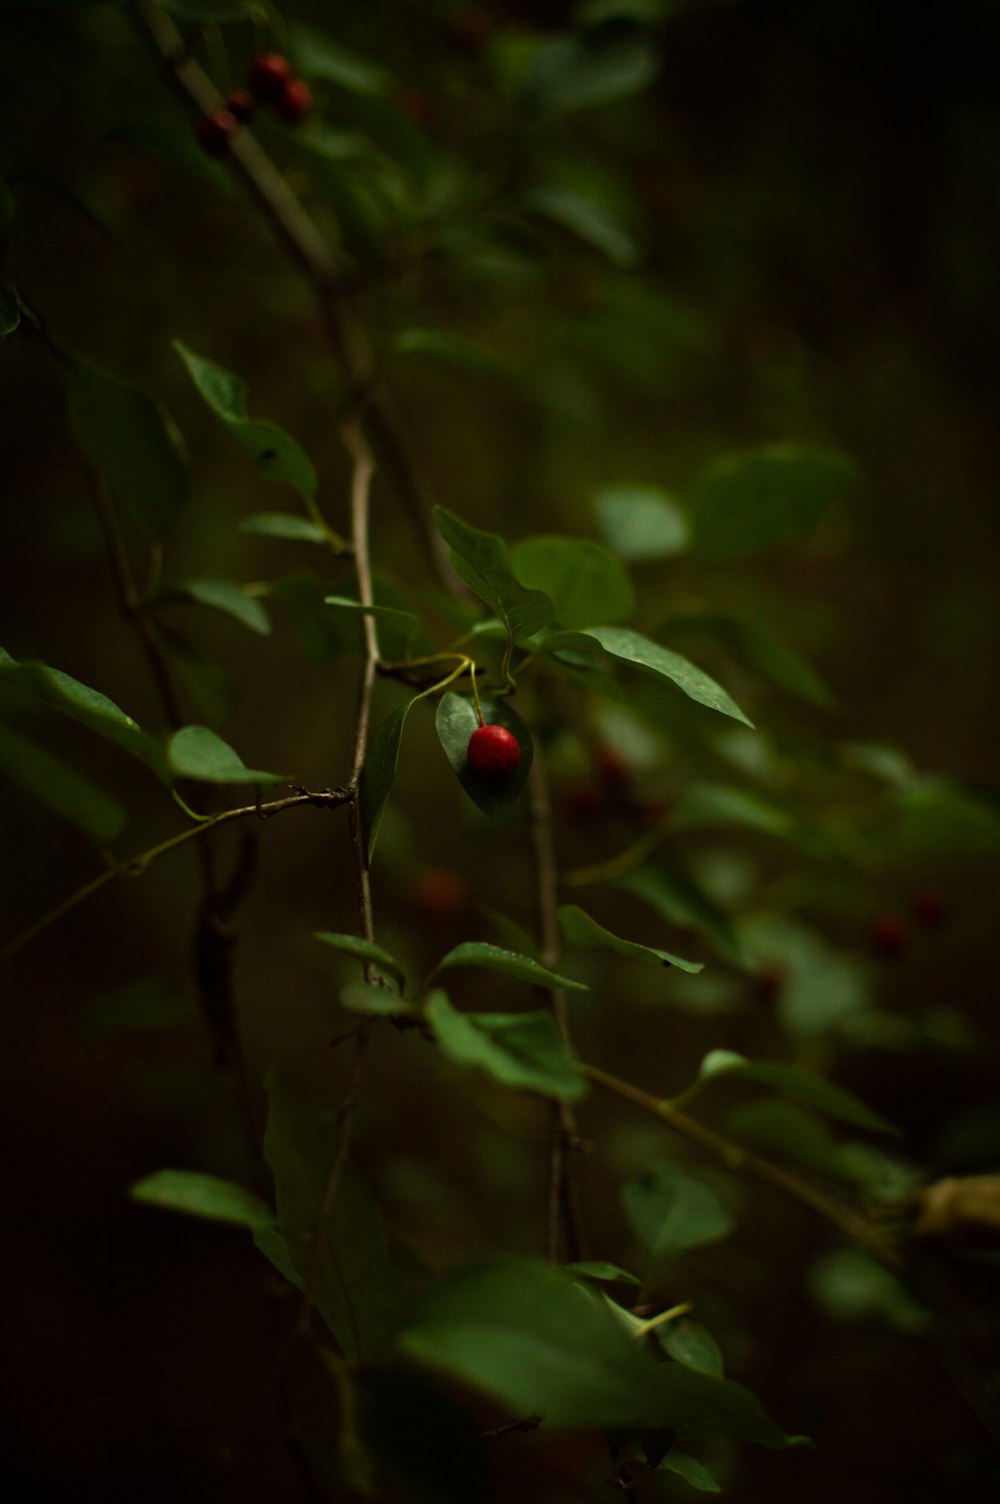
<point>240,103</point>
<point>440,893</point>
<point>269,76</point>
<point>295,101</point>
<point>887,935</point>
<point>215,131</point>
<point>492,751</point>
<point>612,769</point>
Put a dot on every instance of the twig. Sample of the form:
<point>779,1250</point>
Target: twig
<point>564,1200</point>
<point>327,274</point>
<point>133,866</point>
<point>364,470</point>
<point>736,1158</point>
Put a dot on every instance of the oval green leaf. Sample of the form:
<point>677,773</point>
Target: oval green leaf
<point>671,1212</point>
<point>509,962</point>
<point>365,950</point>
<point>798,1086</point>
<point>196,752</point>
<point>579,929</point>
<point>456,720</point>
<point>585,581</point>
<point>525,1051</point>
<point>198,1195</point>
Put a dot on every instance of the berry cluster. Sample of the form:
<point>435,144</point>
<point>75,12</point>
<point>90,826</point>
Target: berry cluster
<point>271,81</point>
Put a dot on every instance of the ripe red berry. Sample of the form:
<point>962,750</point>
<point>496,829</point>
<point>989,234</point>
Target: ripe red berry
<point>240,103</point>
<point>295,101</point>
<point>492,751</point>
<point>215,131</point>
<point>269,76</point>
<point>612,769</point>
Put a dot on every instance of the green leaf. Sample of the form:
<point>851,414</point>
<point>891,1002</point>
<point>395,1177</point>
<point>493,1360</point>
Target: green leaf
<point>152,1002</point>
<point>937,815</point>
<point>641,522</point>
<point>586,219</point>
<point>580,930</point>
<point>699,1404</point>
<point>276,454</point>
<point>585,581</point>
<point>358,1291</point>
<point>452,348</point>
<point>690,1343</point>
<point>691,1470</point>
<point>574,73</point>
<point>404,621</point>
<point>510,963</point>
<point>632,647</point>
<point>673,895</point>
<point>379,772</point>
<point>604,1273</point>
<point>670,1212</point>
<point>365,997</point>
<point>481,561</point>
<point>365,950</point>
<point>705,805</point>
<point>525,1051</point>
<point>196,752</point>
<point>316,56</point>
<point>131,441</point>
<point>10,309</point>
<point>88,706</point>
<point>198,1195</point>
<point>456,720</point>
<point>799,1086</point>
<point>59,786</point>
<point>763,498</point>
<point>222,595</point>
<point>283,525</point>
<point>534,1339</point>
<point>761,652</point>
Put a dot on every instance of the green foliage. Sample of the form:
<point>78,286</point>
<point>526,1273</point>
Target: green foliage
<point>491,267</point>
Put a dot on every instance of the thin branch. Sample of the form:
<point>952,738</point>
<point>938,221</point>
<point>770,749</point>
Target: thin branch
<point>328,274</point>
<point>858,1228</point>
<point>564,1201</point>
<point>134,866</point>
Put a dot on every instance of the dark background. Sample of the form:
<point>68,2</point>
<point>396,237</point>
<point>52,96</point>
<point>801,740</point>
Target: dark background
<point>814,187</point>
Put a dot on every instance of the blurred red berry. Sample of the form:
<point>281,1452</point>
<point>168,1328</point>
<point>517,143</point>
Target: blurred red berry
<point>295,102</point>
<point>887,936</point>
<point>240,104</point>
<point>929,908</point>
<point>770,978</point>
<point>612,769</point>
<point>440,893</point>
<point>215,131</point>
<point>580,803</point>
<point>269,76</point>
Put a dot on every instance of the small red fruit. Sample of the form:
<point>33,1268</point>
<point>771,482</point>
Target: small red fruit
<point>493,751</point>
<point>440,893</point>
<point>295,102</point>
<point>269,77</point>
<point>215,131</point>
<point>240,104</point>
